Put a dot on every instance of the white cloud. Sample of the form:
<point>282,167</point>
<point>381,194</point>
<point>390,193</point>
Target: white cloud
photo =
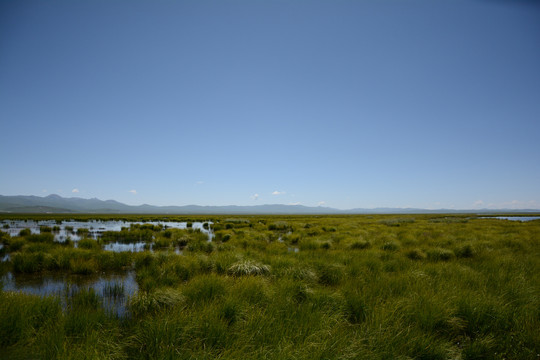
<point>278,192</point>
<point>134,192</point>
<point>254,196</point>
<point>199,182</point>
<point>294,203</point>
<point>75,190</point>
<point>44,190</point>
<point>321,203</point>
<point>478,203</point>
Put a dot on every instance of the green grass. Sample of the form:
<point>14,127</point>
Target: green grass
<point>248,267</point>
<point>360,287</point>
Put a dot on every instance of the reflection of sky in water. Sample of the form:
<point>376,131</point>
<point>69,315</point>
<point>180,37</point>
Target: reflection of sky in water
<point>3,257</point>
<point>95,228</point>
<point>119,247</point>
<point>60,285</point>
<point>515,218</point>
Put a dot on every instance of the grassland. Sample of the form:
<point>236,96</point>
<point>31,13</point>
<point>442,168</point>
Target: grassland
<point>289,287</point>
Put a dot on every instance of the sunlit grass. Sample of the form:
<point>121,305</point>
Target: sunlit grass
<point>302,287</point>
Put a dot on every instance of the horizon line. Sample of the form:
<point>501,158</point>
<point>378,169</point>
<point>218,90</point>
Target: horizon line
<point>293,205</point>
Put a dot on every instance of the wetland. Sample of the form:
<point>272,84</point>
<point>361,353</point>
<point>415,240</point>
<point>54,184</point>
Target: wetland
<point>251,287</point>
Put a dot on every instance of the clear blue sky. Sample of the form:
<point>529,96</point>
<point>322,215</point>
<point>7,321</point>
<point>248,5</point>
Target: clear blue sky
<point>432,104</point>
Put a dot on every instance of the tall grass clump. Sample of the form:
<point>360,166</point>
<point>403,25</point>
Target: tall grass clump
<point>356,308</point>
<point>41,238</point>
<point>83,266</point>
<point>25,232</point>
<point>390,246</point>
<point>158,337</point>
<point>251,289</point>
<point>465,251</point>
<point>89,244</point>
<point>205,288</point>
<point>329,274</point>
<point>360,244</point>
<point>248,267</point>
<point>82,232</point>
<point>440,254</point>
<point>416,254</point>
<point>302,273</point>
<point>45,229</point>
<point>27,262</point>
<point>145,303</point>
<point>15,244</point>
<point>22,316</point>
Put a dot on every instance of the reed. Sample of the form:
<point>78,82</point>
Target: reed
<point>113,289</point>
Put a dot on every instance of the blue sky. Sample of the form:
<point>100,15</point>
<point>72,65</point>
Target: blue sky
<point>431,104</point>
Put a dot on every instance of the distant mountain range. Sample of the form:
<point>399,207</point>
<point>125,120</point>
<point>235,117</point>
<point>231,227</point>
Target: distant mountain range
<point>58,204</point>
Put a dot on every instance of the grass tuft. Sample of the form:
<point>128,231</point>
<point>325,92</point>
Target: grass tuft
<point>440,254</point>
<point>248,267</point>
<point>416,254</point>
<point>145,303</point>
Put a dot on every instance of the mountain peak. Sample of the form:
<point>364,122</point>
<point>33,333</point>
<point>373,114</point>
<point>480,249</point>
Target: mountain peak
<point>53,196</point>
<point>55,203</point>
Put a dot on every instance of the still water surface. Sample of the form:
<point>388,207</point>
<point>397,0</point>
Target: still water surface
<point>514,218</point>
<point>68,229</point>
<point>66,285</point>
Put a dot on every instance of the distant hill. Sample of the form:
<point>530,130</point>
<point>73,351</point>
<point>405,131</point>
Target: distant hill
<point>58,204</point>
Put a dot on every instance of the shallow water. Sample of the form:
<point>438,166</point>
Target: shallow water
<point>95,228</point>
<point>121,247</point>
<point>62,285</point>
<point>514,218</point>
<point>4,257</point>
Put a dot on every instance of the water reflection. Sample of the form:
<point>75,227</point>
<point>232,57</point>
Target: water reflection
<point>114,289</point>
<point>74,229</point>
<point>121,247</point>
<point>3,256</point>
<point>514,218</point>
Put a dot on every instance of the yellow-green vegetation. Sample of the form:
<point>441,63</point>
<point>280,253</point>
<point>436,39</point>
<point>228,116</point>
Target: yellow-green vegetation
<point>290,287</point>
